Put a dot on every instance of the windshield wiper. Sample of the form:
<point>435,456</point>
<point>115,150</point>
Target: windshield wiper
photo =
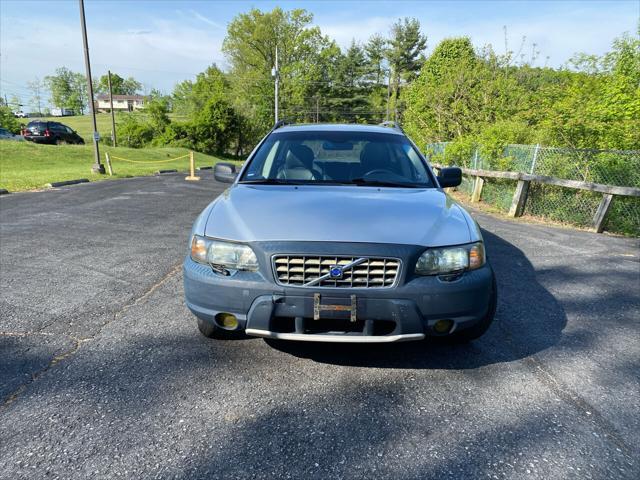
<point>382,183</point>
<point>271,181</point>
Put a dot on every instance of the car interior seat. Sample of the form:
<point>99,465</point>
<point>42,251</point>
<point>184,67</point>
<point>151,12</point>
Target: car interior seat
<point>298,164</point>
<point>374,156</point>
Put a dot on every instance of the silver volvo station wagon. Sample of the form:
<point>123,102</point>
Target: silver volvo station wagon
<point>338,233</point>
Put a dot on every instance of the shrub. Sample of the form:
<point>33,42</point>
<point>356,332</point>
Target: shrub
<point>8,121</point>
<point>134,133</point>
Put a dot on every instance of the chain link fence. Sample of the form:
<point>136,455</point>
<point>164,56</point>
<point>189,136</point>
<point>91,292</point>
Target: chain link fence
<point>578,207</point>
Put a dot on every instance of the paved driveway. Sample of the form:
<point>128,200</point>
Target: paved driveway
<point>103,373</point>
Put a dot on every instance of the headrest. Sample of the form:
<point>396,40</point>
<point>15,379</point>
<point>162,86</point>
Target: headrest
<point>374,155</point>
<point>303,155</point>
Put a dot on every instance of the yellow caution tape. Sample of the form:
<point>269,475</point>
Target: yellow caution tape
<point>147,161</point>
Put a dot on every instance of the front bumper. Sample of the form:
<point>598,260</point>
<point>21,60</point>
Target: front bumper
<point>405,312</point>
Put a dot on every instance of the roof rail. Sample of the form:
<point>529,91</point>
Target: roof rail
<point>281,123</point>
<point>391,124</point>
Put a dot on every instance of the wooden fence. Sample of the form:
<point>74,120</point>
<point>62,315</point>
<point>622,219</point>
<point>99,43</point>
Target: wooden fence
<point>522,190</point>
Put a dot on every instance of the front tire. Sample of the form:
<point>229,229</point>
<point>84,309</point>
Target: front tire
<point>480,328</point>
<point>211,330</point>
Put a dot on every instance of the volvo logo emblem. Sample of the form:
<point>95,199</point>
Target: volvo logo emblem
<point>336,271</point>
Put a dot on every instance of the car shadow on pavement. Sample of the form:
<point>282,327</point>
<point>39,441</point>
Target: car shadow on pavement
<point>528,320</point>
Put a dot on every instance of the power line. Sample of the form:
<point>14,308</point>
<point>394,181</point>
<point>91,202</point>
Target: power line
<point>338,112</point>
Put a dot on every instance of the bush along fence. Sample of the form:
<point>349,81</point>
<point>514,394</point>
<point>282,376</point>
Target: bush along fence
<point>598,189</point>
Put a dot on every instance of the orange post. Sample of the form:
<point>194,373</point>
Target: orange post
<point>192,168</point>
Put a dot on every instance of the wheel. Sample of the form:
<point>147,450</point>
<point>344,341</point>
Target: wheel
<point>479,329</point>
<point>59,141</point>
<point>211,330</point>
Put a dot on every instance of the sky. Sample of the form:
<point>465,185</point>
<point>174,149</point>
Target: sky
<point>163,42</point>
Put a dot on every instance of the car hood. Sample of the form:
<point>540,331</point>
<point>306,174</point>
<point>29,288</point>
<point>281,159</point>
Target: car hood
<point>408,216</point>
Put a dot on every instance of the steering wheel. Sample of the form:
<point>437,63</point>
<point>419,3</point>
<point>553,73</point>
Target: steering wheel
<point>378,170</point>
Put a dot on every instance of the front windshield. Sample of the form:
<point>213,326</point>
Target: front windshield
<point>335,157</point>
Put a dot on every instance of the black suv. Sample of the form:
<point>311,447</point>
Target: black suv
<point>56,133</point>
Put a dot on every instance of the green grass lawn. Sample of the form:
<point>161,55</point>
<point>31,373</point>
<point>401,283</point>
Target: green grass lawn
<point>27,166</point>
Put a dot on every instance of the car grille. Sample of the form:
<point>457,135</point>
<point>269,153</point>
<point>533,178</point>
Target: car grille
<point>371,273</point>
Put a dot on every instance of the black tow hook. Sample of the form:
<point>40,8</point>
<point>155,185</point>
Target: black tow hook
<point>219,269</point>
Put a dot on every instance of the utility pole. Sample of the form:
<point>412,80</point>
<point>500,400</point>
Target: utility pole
<point>388,94</point>
<point>113,118</point>
<point>396,93</point>
<point>276,74</point>
<point>317,109</point>
<point>97,166</point>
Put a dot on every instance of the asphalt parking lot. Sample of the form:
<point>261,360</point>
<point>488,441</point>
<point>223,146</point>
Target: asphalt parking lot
<point>103,373</point>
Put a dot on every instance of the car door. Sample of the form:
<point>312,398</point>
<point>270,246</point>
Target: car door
<point>70,135</point>
<point>57,132</point>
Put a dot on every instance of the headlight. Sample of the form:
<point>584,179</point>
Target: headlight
<point>233,256</point>
<point>436,261</point>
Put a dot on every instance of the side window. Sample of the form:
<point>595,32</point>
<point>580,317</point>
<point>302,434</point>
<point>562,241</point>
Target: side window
<point>419,172</point>
<point>259,168</point>
<point>68,130</point>
<point>268,163</point>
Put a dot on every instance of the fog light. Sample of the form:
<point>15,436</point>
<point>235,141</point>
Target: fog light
<point>227,321</point>
<point>443,326</point>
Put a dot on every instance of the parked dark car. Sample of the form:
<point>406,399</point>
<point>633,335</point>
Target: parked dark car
<point>54,133</point>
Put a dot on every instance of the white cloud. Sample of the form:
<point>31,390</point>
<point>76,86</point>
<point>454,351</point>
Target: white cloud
<point>204,19</point>
<point>160,53</point>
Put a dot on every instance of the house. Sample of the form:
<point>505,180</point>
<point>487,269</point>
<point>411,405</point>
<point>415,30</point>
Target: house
<point>121,103</point>
<point>61,112</point>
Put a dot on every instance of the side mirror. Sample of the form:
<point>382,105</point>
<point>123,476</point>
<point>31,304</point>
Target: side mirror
<point>225,172</point>
<point>450,177</point>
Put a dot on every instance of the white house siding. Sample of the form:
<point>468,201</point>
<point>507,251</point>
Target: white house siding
<point>119,104</point>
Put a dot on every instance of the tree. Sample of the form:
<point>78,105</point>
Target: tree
<point>68,90</point>
<point>80,97</point>
<point>189,97</point>
<point>157,110</point>
<point>404,55</point>
<point>375,50</point>
<point>212,124</point>
<point>599,105</point>
<point>348,93</point>
<point>459,92</point>
<point>36,87</point>
<point>378,70</point>
<point>119,85</point>
<point>250,47</point>
<point>14,102</point>
<point>480,98</point>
